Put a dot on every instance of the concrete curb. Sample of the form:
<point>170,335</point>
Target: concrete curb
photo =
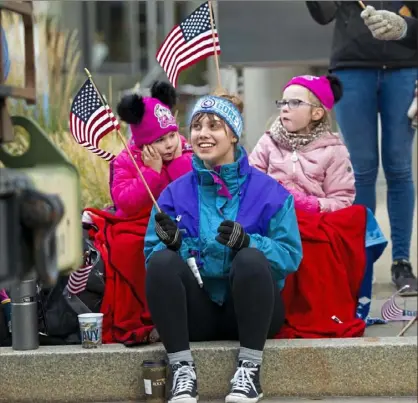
<point>292,368</point>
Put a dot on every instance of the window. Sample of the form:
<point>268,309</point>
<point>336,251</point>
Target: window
<point>142,23</point>
<point>111,41</point>
<point>116,33</point>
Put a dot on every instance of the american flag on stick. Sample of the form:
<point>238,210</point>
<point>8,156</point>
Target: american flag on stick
<point>392,312</point>
<point>77,282</point>
<point>189,42</point>
<point>91,119</point>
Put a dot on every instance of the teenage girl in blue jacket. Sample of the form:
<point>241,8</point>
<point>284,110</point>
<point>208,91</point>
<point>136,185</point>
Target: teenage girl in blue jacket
<point>237,227</point>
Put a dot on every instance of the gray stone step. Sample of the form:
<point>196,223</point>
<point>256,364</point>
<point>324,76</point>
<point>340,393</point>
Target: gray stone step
<point>292,368</point>
<point>329,400</point>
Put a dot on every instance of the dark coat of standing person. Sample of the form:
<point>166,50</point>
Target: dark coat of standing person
<point>378,77</point>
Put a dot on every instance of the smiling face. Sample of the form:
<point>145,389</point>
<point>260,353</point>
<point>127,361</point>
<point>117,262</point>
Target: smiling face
<point>298,119</point>
<point>167,145</point>
<point>212,140</point>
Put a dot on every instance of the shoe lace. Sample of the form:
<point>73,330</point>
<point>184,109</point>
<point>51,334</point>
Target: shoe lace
<point>243,379</point>
<point>184,379</point>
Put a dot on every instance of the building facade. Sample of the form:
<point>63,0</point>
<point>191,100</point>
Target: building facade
<point>120,38</point>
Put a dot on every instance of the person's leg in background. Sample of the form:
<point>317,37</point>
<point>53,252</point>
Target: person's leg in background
<point>396,94</point>
<point>357,118</point>
<point>182,312</point>
<point>259,313</point>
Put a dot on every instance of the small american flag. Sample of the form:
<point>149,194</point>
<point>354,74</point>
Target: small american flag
<point>392,312</point>
<point>188,43</point>
<point>90,121</point>
<point>77,281</point>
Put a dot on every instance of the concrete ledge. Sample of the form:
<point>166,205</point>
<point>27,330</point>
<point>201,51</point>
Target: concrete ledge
<point>295,368</point>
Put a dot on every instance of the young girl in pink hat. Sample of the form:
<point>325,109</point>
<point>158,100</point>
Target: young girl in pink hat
<point>301,152</point>
<point>161,153</point>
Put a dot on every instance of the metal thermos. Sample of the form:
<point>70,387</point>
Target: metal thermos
<point>24,316</point>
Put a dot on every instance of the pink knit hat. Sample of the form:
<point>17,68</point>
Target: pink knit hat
<point>328,89</point>
<point>149,118</point>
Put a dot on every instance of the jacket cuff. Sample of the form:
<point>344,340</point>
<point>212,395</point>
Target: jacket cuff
<point>306,203</point>
<point>405,30</point>
<point>313,204</point>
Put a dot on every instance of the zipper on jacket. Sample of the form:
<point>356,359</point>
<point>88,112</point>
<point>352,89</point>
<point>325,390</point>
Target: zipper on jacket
<point>294,158</point>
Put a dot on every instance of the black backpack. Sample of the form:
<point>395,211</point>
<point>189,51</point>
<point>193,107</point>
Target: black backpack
<point>58,310</point>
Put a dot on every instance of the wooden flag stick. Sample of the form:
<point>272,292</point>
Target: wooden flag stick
<point>218,72</point>
<point>408,325</point>
<point>362,5</point>
<point>126,146</point>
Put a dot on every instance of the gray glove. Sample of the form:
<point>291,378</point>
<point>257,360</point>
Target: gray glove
<point>383,24</point>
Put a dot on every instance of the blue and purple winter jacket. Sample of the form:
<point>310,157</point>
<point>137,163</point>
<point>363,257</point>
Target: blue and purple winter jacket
<point>204,198</point>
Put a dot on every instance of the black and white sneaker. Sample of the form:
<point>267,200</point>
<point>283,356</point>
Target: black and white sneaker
<point>184,383</point>
<point>246,386</point>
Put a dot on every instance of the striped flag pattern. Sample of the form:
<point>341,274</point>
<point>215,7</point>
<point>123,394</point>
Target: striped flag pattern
<point>77,281</point>
<point>90,121</point>
<point>392,312</point>
<point>188,43</point>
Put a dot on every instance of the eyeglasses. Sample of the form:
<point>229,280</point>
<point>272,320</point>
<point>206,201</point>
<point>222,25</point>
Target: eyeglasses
<point>293,104</point>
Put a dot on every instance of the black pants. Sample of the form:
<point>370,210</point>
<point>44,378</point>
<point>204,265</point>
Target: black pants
<point>183,312</point>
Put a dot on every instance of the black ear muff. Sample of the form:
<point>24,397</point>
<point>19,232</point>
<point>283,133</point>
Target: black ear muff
<point>165,93</point>
<point>336,87</point>
<point>131,109</point>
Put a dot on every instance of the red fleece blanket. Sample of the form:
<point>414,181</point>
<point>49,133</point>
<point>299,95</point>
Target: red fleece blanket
<point>326,284</point>
<point>121,243</point>
<point>328,280</point>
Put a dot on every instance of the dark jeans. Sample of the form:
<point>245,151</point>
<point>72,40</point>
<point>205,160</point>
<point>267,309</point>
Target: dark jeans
<point>183,312</point>
<point>368,92</point>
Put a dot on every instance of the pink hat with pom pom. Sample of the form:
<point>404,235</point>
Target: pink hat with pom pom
<point>157,122</point>
<point>327,89</point>
<point>149,118</point>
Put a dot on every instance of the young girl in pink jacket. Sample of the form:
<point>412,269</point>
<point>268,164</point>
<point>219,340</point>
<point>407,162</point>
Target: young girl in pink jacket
<point>301,152</point>
<point>161,153</point>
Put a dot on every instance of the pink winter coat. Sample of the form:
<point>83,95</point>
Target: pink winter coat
<point>320,175</point>
<point>127,190</point>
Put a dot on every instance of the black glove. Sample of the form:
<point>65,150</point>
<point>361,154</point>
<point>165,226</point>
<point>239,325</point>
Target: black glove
<point>167,231</point>
<point>232,234</point>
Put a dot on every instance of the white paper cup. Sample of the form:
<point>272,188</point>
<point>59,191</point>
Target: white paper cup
<point>91,329</point>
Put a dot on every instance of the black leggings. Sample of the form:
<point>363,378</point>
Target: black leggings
<point>183,312</point>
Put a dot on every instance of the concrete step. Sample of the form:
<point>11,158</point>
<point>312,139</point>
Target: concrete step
<point>328,400</point>
<point>292,368</point>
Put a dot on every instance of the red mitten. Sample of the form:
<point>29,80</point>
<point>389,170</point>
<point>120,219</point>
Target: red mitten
<point>306,203</point>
